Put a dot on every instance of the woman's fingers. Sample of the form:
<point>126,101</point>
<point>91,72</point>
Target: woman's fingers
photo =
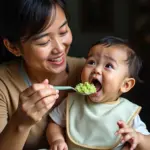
<point>45,81</point>
<point>41,94</point>
<point>37,100</point>
<point>45,102</point>
<point>32,89</point>
<point>35,87</point>
<point>36,114</point>
<point>44,96</point>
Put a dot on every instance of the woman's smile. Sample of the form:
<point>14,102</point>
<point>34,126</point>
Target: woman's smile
<point>57,61</point>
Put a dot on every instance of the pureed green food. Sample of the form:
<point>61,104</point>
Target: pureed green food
<point>85,88</point>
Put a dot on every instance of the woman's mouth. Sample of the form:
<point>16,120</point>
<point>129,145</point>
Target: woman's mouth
<point>57,61</point>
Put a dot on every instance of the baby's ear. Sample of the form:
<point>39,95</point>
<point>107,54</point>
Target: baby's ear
<point>127,85</point>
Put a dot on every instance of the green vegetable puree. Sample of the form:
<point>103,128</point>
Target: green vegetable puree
<point>85,88</point>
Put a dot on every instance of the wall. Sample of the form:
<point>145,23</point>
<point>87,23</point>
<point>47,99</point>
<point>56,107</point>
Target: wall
<point>123,23</point>
<point>81,41</point>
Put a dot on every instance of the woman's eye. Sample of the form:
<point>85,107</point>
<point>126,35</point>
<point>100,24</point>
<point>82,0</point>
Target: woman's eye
<point>91,62</point>
<point>110,66</point>
<point>44,44</point>
<point>63,33</point>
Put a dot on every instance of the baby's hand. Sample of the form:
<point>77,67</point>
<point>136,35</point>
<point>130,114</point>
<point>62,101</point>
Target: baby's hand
<point>128,134</point>
<point>59,145</point>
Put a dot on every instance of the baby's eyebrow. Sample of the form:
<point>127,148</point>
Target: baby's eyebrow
<point>111,59</point>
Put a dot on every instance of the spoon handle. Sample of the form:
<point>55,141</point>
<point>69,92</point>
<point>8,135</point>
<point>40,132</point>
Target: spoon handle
<point>63,88</point>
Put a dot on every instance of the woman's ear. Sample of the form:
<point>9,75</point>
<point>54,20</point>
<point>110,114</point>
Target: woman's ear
<point>127,85</point>
<point>12,48</point>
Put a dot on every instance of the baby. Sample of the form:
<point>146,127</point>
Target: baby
<point>103,120</point>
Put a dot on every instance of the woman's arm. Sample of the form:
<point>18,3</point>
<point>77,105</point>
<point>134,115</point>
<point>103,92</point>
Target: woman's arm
<point>34,102</point>
<point>14,135</point>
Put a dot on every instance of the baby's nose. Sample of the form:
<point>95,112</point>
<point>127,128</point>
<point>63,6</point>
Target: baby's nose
<point>97,71</point>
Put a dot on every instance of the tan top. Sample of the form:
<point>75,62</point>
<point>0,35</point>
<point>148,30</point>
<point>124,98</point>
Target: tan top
<point>12,83</point>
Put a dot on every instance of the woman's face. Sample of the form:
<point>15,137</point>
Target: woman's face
<point>47,50</point>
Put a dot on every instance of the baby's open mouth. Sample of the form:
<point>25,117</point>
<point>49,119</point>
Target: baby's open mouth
<point>97,84</point>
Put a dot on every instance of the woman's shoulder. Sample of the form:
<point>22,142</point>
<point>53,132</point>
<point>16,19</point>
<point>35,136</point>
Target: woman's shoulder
<point>9,69</point>
<point>75,63</point>
<point>74,59</point>
<point>11,84</point>
<point>10,75</point>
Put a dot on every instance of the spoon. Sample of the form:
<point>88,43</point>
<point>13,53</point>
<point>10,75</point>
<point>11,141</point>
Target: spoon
<point>69,88</point>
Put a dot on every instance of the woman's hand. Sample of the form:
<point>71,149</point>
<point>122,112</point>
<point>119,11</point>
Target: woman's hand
<point>34,103</point>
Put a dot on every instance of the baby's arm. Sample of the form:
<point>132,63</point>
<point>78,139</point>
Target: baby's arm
<point>56,128</point>
<point>137,140</point>
<point>55,137</point>
<point>144,143</point>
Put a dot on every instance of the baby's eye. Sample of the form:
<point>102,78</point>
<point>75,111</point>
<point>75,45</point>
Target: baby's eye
<point>91,62</point>
<point>109,66</point>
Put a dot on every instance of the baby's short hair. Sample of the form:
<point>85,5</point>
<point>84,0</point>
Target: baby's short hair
<point>134,62</point>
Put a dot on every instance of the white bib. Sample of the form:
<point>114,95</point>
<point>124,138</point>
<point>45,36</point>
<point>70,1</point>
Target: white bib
<point>93,126</point>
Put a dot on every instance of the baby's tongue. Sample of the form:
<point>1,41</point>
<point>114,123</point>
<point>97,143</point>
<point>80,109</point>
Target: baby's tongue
<point>98,86</point>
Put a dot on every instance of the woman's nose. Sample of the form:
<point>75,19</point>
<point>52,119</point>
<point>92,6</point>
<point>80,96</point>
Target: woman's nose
<point>58,45</point>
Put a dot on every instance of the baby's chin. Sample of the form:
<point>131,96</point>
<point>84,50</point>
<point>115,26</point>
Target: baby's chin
<point>97,99</point>
<point>94,100</point>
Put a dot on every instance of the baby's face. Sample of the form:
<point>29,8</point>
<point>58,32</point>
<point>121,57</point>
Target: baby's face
<point>107,69</point>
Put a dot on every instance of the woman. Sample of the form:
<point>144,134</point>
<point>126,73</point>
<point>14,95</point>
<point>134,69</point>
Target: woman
<point>36,30</point>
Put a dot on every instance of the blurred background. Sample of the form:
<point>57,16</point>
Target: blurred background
<point>91,20</point>
<point>130,19</point>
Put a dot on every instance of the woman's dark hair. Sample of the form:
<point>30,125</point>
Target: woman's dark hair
<point>21,19</point>
<point>134,62</point>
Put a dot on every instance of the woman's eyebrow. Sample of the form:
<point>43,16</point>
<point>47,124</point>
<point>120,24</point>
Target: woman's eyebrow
<point>46,34</point>
<point>65,22</point>
<point>39,36</point>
